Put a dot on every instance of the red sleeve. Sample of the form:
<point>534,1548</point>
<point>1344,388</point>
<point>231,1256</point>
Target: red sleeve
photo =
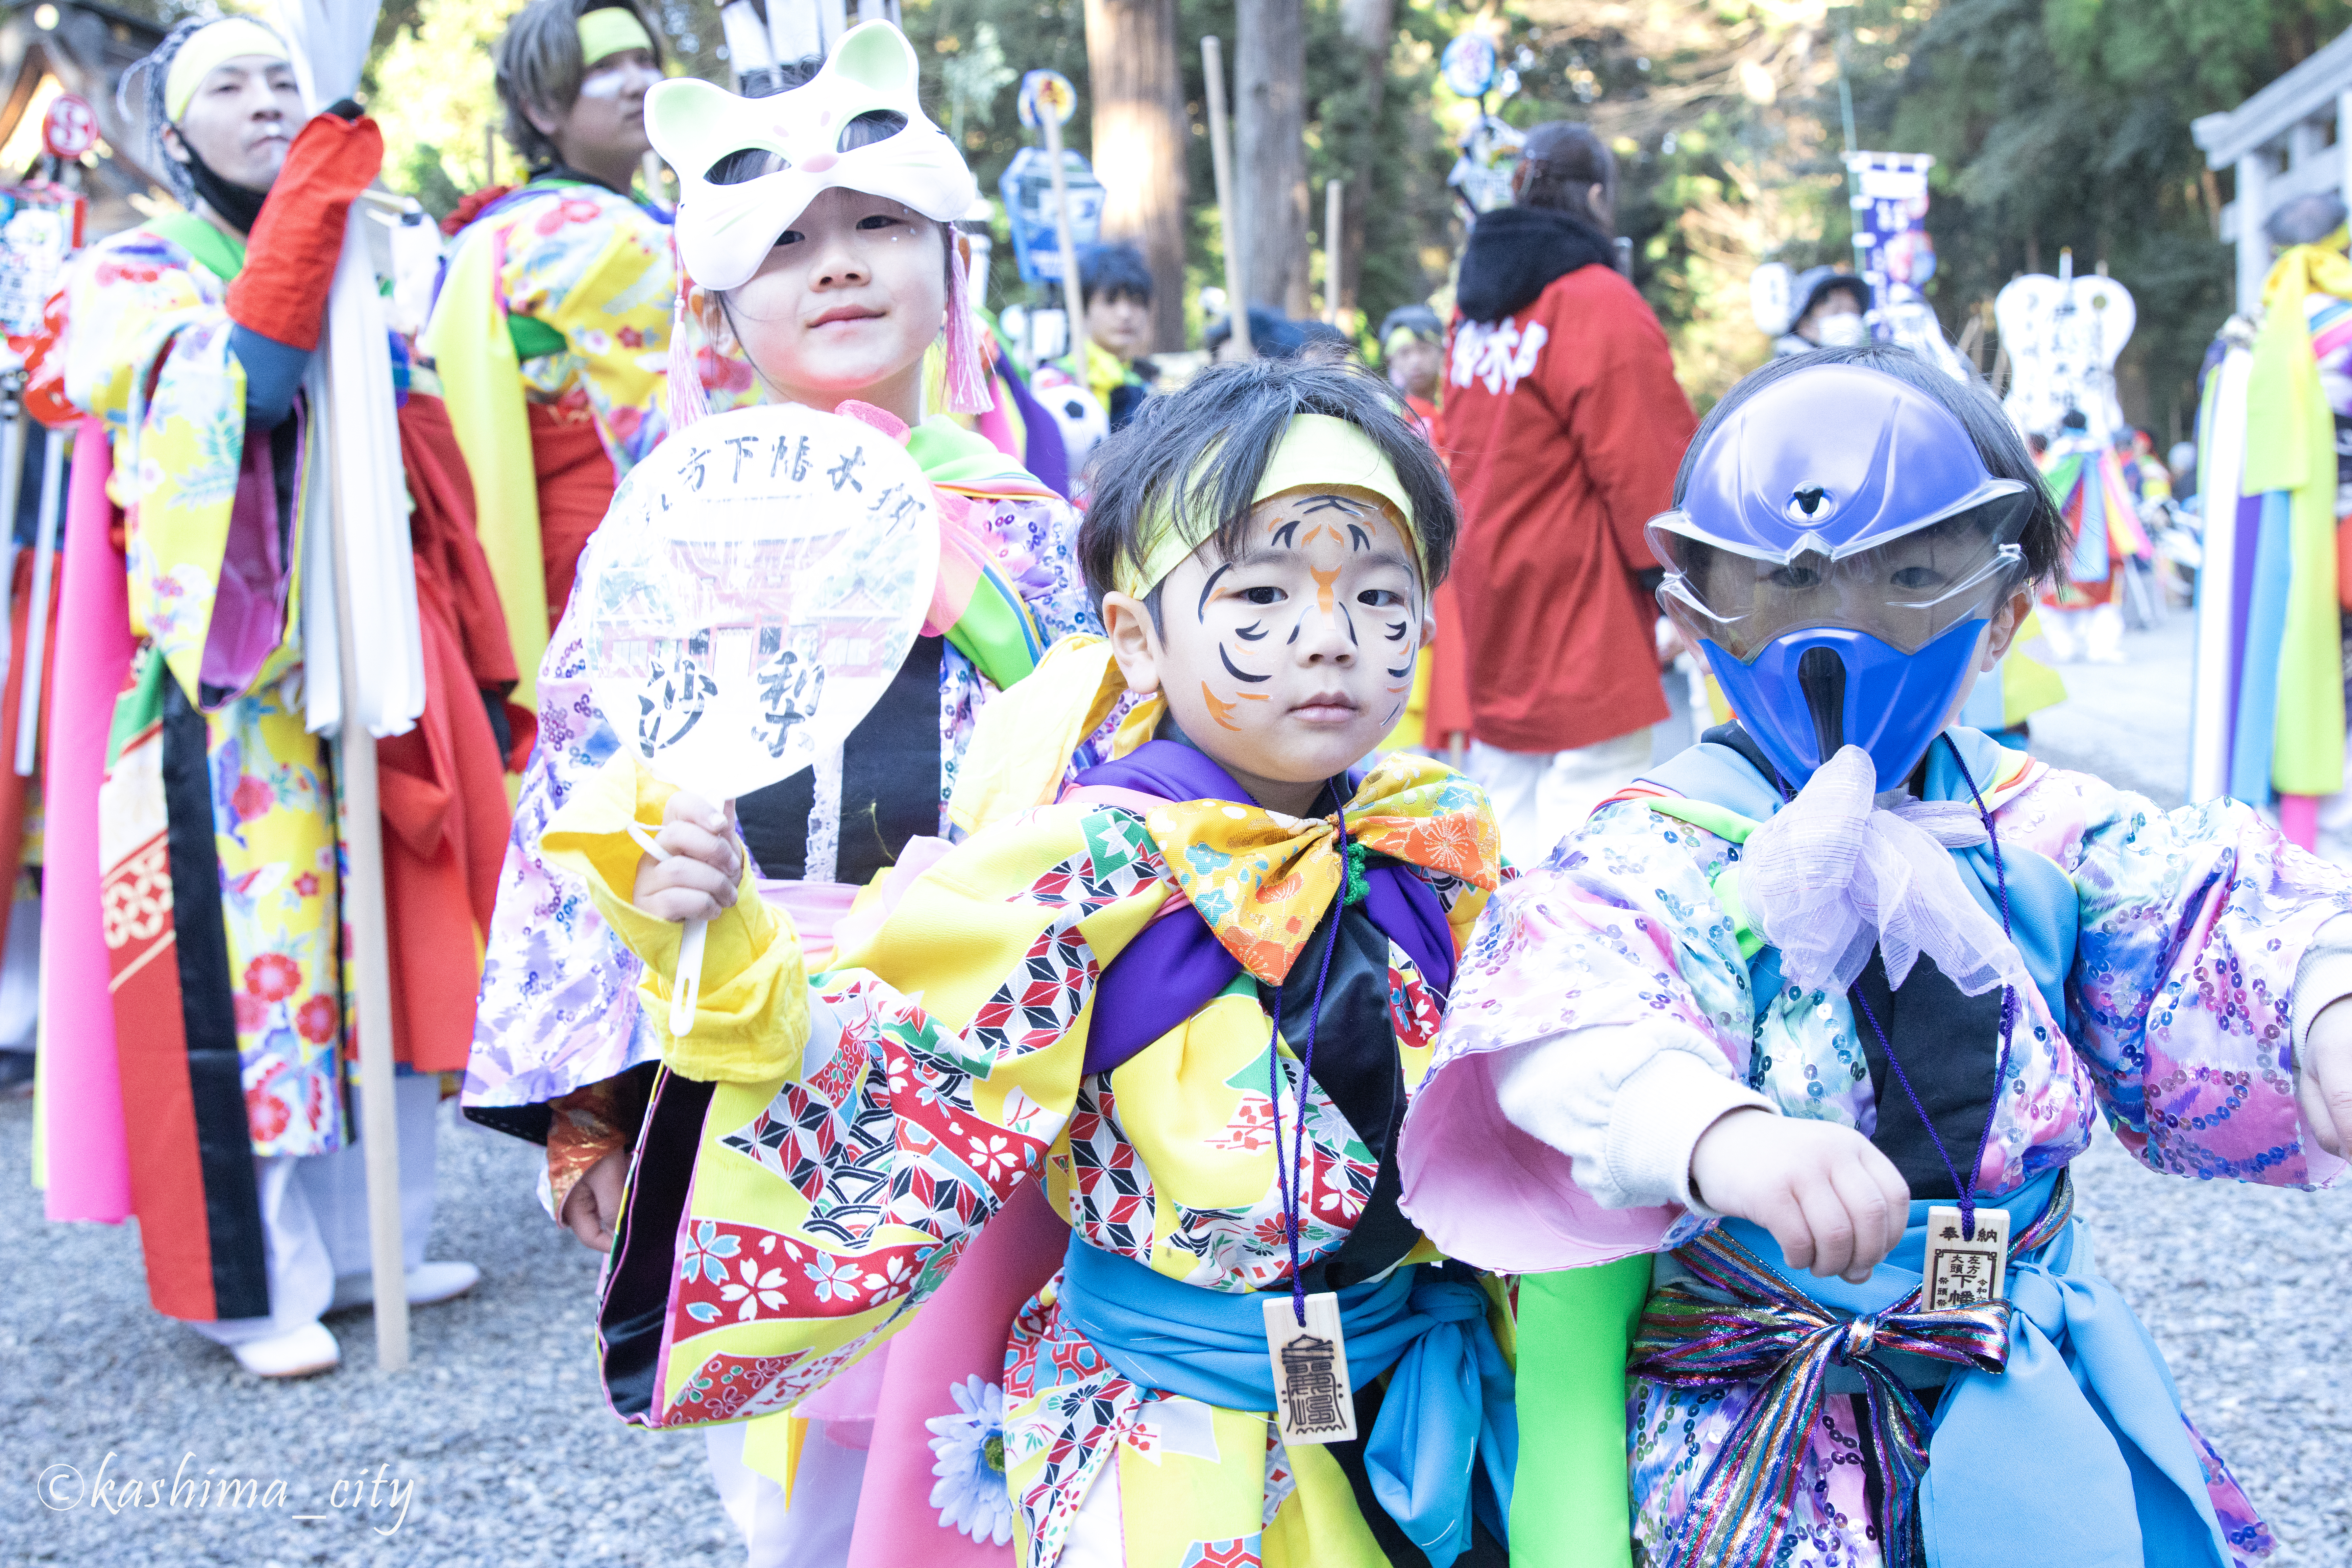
<point>1613,386</point>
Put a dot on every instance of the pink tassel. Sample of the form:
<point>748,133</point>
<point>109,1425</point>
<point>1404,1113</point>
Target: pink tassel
<point>968,369</point>
<point>688,400</point>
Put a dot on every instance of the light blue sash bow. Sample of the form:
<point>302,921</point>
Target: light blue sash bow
<point>1447,1413</point>
<point>2076,1452</point>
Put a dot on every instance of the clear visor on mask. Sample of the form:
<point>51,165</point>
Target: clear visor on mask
<point>1906,591</point>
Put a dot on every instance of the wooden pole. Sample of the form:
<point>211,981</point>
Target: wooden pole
<point>1073,296</point>
<point>1334,242</point>
<point>363,906</point>
<point>490,155</point>
<point>1221,158</point>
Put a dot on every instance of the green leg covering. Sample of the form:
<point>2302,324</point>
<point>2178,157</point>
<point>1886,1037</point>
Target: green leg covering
<point>1569,1503</point>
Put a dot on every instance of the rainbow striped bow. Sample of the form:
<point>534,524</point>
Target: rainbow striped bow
<point>1769,1332</point>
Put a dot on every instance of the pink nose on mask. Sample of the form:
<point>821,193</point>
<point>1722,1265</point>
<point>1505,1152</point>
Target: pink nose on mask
<point>821,162</point>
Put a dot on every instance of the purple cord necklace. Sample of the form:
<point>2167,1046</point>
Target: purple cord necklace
<point>1289,1180</point>
<point>1968,1189</point>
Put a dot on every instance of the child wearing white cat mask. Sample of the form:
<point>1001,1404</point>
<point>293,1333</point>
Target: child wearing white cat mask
<point>812,240</point>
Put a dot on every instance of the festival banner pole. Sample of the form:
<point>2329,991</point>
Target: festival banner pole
<point>1049,116</point>
<point>1220,158</point>
<point>364,907</point>
<point>1334,194</point>
<point>371,584</point>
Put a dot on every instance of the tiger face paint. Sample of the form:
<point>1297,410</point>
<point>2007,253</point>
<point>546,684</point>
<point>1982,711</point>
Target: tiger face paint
<point>1290,661</point>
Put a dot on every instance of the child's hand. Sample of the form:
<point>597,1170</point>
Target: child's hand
<point>1835,1203</point>
<point>705,861</point>
<point>2324,1088</point>
<point>593,1205</point>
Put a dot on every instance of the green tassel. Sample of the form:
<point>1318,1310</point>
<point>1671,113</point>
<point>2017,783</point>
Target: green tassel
<point>1356,884</point>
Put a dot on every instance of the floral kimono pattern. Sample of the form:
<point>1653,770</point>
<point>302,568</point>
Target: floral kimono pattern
<point>831,1201</point>
<point>216,595</point>
<point>595,268</point>
<point>559,1007</point>
<point>2170,1019</point>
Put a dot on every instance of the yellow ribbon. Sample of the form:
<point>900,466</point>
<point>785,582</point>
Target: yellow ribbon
<point>1022,741</point>
<point>1262,880</point>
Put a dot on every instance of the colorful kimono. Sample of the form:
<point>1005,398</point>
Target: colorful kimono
<point>218,804</point>
<point>559,1009</point>
<point>2164,947</point>
<point>551,335</point>
<point>1042,1003</point>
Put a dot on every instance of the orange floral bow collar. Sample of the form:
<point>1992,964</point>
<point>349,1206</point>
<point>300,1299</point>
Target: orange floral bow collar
<point>1262,880</point>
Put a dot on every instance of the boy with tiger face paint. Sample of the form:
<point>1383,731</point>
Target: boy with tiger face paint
<point>1189,995</point>
<point>1291,657</point>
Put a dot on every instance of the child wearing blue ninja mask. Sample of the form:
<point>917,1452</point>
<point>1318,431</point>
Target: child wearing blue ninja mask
<point>1805,1027</point>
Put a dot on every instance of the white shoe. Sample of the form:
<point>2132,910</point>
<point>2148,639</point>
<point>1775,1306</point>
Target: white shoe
<point>297,1352</point>
<point>427,1283</point>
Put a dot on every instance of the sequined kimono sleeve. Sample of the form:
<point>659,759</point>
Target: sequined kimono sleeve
<point>936,1066</point>
<point>1620,926</point>
<point>2192,923</point>
<point>1617,943</point>
<point>595,268</point>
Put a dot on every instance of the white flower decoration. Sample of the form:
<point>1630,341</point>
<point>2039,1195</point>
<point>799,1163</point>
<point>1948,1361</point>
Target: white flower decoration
<point>971,1493</point>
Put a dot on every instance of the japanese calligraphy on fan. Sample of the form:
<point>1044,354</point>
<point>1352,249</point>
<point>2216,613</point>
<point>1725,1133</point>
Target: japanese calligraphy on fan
<point>756,586</point>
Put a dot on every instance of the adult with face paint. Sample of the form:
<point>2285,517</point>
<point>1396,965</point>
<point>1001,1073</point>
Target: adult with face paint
<point>189,336</point>
<point>1563,425</point>
<point>551,330</point>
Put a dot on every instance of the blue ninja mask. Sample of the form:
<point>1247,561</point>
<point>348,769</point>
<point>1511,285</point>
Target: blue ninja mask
<point>1840,551</point>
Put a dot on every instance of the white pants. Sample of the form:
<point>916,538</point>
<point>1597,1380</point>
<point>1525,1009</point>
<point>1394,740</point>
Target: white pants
<point>2095,633</point>
<point>809,1529</point>
<point>1540,797</point>
<point>314,1217</point>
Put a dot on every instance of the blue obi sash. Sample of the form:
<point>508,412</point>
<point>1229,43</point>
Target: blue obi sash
<point>1447,1414</point>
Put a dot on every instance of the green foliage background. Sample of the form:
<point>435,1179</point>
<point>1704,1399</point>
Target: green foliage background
<point>2054,123</point>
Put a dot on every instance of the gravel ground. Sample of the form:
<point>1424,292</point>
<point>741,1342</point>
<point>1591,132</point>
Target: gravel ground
<point>2128,722</point>
<point>513,1461</point>
<point>497,1424</point>
<point>499,1432</point>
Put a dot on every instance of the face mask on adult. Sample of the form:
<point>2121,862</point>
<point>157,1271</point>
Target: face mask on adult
<point>1842,331</point>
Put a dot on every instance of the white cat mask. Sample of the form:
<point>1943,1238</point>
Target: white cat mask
<point>725,232</point>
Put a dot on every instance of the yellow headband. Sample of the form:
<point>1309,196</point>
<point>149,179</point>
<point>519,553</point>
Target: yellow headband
<point>1318,451</point>
<point>208,48</point>
<point>611,31</point>
<point>1401,337</point>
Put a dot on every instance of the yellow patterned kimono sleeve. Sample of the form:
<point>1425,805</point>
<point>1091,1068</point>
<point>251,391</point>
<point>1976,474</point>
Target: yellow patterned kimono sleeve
<point>751,1017</point>
<point>147,348</point>
<point>943,1061</point>
<point>594,267</point>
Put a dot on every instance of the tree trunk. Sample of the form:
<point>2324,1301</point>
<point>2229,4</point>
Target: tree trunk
<point>1367,24</point>
<point>1136,80</point>
<point>1270,151</point>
